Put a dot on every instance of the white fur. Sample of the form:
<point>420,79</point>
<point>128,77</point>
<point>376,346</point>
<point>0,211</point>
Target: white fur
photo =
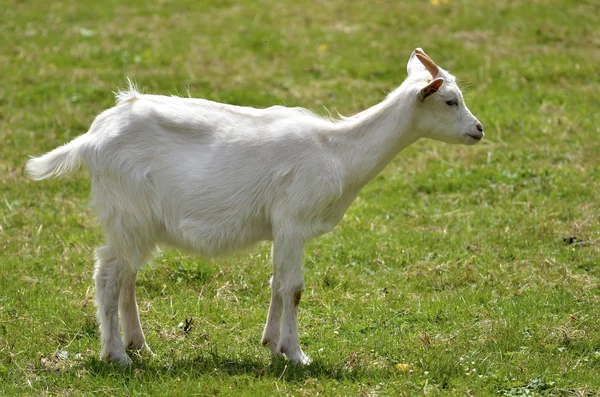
<point>212,178</point>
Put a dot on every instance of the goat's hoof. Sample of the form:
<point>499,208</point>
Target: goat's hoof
<point>120,359</point>
<point>300,359</point>
<point>297,356</point>
<point>125,361</point>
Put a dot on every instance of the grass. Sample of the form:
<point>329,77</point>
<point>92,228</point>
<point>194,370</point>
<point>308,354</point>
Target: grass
<point>450,275</point>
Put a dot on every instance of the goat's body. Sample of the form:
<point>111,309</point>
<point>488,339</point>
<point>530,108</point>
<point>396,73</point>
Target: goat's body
<point>199,176</point>
<point>211,178</point>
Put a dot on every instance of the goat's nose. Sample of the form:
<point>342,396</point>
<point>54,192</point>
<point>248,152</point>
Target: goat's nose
<point>479,126</point>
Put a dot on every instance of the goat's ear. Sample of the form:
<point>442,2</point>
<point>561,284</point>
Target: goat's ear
<point>431,88</point>
<point>414,64</point>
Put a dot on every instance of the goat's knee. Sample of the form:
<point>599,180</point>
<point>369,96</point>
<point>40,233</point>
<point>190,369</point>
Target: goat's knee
<point>290,284</point>
<point>293,290</point>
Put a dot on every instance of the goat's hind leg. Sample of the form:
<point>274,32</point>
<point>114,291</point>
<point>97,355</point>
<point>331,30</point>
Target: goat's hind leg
<point>108,278</point>
<point>133,335</point>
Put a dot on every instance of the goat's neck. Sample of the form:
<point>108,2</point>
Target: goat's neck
<point>368,141</point>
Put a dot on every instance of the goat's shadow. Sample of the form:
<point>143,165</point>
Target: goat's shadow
<point>208,363</point>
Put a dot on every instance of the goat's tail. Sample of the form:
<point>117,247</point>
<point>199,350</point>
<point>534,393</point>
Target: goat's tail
<point>59,161</point>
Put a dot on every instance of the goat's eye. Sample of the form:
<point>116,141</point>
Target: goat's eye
<point>453,102</point>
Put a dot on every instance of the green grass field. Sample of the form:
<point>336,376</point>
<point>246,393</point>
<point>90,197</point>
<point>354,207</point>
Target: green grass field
<point>450,275</point>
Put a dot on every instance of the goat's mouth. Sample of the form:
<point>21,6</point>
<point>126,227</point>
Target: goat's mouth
<point>476,137</point>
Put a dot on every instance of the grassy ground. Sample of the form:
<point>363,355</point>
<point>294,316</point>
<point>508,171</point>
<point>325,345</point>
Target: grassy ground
<point>450,274</point>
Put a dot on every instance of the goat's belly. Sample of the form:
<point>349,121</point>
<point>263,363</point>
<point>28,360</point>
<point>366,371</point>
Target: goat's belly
<point>216,239</point>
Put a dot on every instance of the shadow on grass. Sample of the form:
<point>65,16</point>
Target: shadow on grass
<point>215,364</point>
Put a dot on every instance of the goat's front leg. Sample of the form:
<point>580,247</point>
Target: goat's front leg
<point>289,283</point>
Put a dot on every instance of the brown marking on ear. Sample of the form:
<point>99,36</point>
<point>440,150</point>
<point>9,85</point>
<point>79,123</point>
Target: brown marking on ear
<point>297,297</point>
<point>431,88</point>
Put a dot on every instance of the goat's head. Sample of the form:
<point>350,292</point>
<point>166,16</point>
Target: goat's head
<point>440,111</point>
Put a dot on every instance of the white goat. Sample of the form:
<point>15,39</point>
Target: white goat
<point>212,178</point>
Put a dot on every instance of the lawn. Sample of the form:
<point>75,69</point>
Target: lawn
<point>458,271</point>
